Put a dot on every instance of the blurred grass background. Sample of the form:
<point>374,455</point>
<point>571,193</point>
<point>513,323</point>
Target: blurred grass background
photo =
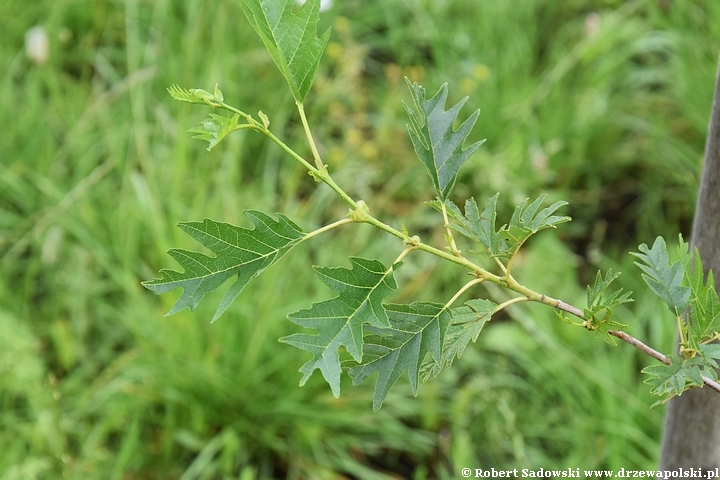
<point>603,103</point>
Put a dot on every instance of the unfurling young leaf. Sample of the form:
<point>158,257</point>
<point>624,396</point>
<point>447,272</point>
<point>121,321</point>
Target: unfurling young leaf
<point>438,146</point>
<point>240,252</point>
<point>597,302</point>
<point>665,280</point>
<point>466,324</point>
<point>415,330</point>
<point>339,322</point>
<point>197,96</point>
<point>214,128</point>
<point>291,39</point>
<point>598,312</point>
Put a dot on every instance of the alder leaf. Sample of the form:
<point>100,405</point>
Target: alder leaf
<point>214,128</point>
<point>339,322</point>
<point>599,312</point>
<point>504,242</point>
<point>416,329</point>
<point>527,221</point>
<point>291,39</point>
<point>665,280</point>
<point>466,324</point>
<point>240,252</point>
<point>438,146</point>
<point>704,317</point>
<point>677,377</point>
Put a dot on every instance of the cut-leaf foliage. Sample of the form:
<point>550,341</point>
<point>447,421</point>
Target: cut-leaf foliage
<point>214,128</point>
<point>599,307</point>
<point>527,220</point>
<point>504,242</point>
<point>240,252</point>
<point>416,329</point>
<point>438,146</point>
<point>673,379</point>
<point>466,324</point>
<point>339,322</point>
<point>704,317</point>
<point>665,280</point>
<point>291,39</point>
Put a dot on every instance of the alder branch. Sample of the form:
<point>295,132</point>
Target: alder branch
<point>656,355</point>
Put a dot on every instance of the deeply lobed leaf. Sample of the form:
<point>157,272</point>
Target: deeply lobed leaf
<point>504,242</point>
<point>436,143</point>
<point>291,39</point>
<point>528,220</point>
<point>704,317</point>
<point>466,324</point>
<point>665,280</point>
<point>240,252</point>
<point>339,322</point>
<point>415,330</point>
<point>674,379</point>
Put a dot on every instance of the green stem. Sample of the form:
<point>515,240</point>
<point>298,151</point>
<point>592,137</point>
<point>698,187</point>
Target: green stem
<point>326,228</point>
<point>450,238</point>
<point>469,284</point>
<point>510,302</point>
<point>316,155</point>
<point>680,330</point>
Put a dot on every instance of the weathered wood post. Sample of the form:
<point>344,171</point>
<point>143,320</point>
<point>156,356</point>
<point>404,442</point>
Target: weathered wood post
<point>691,437</point>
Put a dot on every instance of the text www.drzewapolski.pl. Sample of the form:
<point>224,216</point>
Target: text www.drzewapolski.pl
<point>578,473</point>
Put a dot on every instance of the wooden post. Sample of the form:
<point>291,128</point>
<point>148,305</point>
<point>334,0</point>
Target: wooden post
<point>691,437</point>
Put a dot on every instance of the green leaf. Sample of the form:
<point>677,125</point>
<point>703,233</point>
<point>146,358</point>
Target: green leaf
<point>677,377</point>
<point>339,321</point>
<point>291,39</point>
<point>704,317</point>
<point>480,227</point>
<point>596,301</point>
<point>240,252</point>
<point>214,128</point>
<point>416,329</point>
<point>528,220</point>
<point>665,280</point>
<point>196,95</point>
<point>466,324</point>
<point>438,146</point>
<point>599,312</point>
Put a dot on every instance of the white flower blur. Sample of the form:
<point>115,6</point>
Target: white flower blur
<point>37,45</point>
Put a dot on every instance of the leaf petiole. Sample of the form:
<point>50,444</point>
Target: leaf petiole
<point>462,290</point>
<point>316,155</point>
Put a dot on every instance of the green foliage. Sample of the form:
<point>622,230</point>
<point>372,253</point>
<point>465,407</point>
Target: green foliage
<point>214,128</point>
<point>665,280</point>
<point>696,306</point>
<point>241,253</point>
<point>291,39</point>
<point>504,242</point>
<point>466,324</point>
<point>339,321</point>
<point>599,307</point>
<point>673,379</point>
<point>704,315</point>
<point>415,330</point>
<point>436,143</point>
<point>96,384</point>
<point>357,320</point>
